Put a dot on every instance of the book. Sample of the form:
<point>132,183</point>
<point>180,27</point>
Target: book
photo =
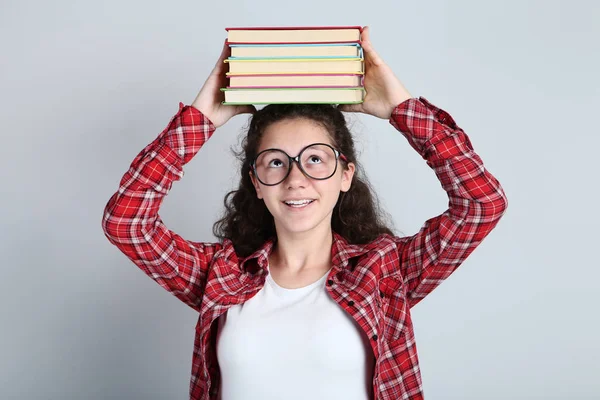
<point>310,50</point>
<point>322,34</point>
<point>295,66</point>
<point>295,95</point>
<point>322,65</point>
<point>298,80</point>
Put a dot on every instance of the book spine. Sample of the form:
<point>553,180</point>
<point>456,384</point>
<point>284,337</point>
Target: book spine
<point>270,43</point>
<point>292,87</point>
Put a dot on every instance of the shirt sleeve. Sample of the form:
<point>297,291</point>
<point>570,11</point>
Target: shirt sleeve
<point>476,198</point>
<point>131,220</point>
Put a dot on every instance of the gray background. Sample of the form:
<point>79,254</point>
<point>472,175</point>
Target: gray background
<point>86,85</point>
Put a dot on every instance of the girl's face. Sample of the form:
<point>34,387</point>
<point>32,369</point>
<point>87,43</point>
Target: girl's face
<point>291,136</point>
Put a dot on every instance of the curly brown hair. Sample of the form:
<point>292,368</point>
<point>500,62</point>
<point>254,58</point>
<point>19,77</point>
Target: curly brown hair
<point>246,220</point>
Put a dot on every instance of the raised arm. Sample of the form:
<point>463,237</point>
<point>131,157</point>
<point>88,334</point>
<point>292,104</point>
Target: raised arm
<point>476,199</point>
<point>131,218</point>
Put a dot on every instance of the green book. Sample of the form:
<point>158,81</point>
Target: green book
<point>314,95</point>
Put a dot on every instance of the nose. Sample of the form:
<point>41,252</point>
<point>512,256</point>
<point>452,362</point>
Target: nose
<point>296,176</point>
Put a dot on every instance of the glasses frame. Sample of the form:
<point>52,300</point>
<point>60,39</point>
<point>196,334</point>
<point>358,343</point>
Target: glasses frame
<point>338,155</point>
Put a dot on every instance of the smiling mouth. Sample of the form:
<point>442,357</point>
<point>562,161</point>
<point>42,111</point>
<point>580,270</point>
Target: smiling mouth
<point>298,205</point>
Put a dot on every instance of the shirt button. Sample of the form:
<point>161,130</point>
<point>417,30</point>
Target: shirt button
<point>381,294</point>
<point>351,303</point>
<point>374,337</point>
<point>330,282</point>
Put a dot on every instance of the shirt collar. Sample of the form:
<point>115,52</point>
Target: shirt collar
<point>341,253</point>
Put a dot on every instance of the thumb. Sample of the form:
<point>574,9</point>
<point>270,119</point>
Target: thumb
<point>350,107</point>
<point>245,109</point>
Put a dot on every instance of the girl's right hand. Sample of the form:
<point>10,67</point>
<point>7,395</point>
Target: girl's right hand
<point>208,101</point>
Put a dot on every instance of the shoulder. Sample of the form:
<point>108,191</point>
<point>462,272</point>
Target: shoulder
<point>383,244</point>
<point>383,251</point>
<point>226,251</point>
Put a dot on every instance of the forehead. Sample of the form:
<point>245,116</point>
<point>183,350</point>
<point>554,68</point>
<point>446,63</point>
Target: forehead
<point>291,135</point>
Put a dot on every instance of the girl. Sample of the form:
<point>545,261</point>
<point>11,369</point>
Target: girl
<point>307,294</point>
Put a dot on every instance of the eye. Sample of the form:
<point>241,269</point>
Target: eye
<point>276,163</point>
<point>314,159</point>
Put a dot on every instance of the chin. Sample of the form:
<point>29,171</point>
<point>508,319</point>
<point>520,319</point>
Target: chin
<point>303,224</point>
<point>296,226</point>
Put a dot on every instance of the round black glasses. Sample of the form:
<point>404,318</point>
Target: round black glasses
<point>316,161</point>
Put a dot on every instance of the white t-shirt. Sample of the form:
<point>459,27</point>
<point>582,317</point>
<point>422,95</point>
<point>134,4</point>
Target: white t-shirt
<point>293,344</point>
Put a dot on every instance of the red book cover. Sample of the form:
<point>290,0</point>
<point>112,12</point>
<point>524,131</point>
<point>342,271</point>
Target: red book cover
<point>294,28</point>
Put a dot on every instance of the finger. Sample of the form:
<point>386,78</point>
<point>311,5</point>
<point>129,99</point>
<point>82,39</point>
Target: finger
<point>245,109</point>
<point>225,52</point>
<point>371,55</point>
<point>350,107</point>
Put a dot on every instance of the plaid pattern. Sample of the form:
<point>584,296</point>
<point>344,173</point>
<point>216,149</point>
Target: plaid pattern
<point>376,283</point>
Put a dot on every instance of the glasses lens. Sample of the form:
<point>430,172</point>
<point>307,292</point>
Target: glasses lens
<point>272,166</point>
<point>318,161</point>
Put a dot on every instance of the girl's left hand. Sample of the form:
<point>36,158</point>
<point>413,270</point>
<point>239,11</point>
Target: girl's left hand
<point>383,90</point>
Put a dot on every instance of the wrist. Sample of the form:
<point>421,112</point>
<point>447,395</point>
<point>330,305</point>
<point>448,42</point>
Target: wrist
<point>396,101</point>
<point>206,113</point>
<point>400,97</point>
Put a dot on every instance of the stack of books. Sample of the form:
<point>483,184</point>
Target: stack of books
<point>295,65</point>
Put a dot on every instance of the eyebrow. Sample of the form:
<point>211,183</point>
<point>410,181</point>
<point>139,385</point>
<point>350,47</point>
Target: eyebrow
<point>302,148</point>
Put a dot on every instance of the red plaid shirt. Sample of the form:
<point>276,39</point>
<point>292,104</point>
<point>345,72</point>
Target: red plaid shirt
<point>377,283</point>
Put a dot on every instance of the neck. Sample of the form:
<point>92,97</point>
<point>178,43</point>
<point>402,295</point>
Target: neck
<point>296,252</point>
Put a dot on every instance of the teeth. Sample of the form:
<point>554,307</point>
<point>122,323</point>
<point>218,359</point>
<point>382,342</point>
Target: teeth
<point>298,202</point>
